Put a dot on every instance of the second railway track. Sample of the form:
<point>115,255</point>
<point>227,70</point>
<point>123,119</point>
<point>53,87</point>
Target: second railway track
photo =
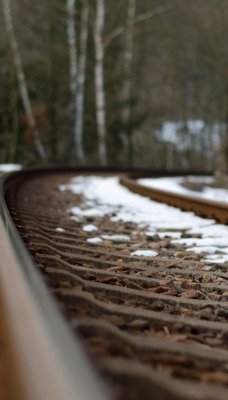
<point>153,328</point>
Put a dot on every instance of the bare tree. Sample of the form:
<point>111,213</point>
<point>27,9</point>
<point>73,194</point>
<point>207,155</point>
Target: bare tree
<point>128,57</point>
<point>77,75</point>
<point>99,80</point>
<point>81,82</point>
<point>126,31</point>
<point>21,80</point>
<point>71,35</point>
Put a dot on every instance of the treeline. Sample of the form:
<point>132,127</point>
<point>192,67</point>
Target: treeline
<point>92,82</point>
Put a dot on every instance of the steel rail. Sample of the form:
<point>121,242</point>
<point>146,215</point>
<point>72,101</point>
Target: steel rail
<point>202,207</point>
<point>44,360</point>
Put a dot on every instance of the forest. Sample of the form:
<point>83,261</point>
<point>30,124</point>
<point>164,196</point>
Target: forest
<point>140,83</point>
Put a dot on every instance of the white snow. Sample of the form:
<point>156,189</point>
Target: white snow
<point>151,232</point>
<point>74,218</point>
<point>203,249</point>
<point>89,212</point>
<point>216,230</point>
<point>9,167</point>
<point>121,238</point>
<point>218,242</point>
<point>168,234</point>
<point>89,228</point>
<point>94,240</point>
<point>59,229</point>
<point>105,196</point>
<point>218,258</point>
<point>145,253</point>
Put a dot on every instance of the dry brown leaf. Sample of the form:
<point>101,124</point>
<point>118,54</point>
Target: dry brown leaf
<point>179,254</point>
<point>192,294</point>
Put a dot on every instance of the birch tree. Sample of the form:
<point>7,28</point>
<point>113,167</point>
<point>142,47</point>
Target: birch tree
<point>99,81</point>
<point>77,75</point>
<point>21,80</point>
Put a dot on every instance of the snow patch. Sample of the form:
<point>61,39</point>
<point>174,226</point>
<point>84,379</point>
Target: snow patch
<point>9,167</point>
<point>151,233</point>
<point>216,258</point>
<point>121,238</point>
<point>145,253</point>
<point>74,218</point>
<point>89,228</point>
<point>94,240</point>
<point>169,234</point>
<point>203,249</point>
<point>215,230</point>
<point>89,212</point>
<point>60,229</point>
<point>219,242</point>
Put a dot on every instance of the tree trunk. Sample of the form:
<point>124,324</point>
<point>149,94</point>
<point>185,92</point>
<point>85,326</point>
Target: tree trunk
<point>21,80</point>
<point>127,85</point>
<point>71,35</point>
<point>81,82</point>
<point>99,81</point>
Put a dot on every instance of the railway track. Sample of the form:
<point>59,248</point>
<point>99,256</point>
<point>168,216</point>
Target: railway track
<point>129,327</point>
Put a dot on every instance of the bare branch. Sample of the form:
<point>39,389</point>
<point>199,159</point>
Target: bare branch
<point>140,18</point>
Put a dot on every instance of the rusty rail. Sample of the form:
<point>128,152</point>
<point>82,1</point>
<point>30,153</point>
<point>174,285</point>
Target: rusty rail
<point>42,360</point>
<point>202,207</point>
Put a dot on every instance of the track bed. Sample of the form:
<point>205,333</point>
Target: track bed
<point>153,327</point>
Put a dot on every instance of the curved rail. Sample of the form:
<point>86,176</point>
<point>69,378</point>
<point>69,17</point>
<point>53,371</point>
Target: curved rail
<point>44,361</point>
<point>202,207</point>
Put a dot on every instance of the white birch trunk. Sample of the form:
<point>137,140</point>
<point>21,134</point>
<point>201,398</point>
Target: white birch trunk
<point>81,82</point>
<point>71,35</point>
<point>99,80</point>
<point>21,80</point>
